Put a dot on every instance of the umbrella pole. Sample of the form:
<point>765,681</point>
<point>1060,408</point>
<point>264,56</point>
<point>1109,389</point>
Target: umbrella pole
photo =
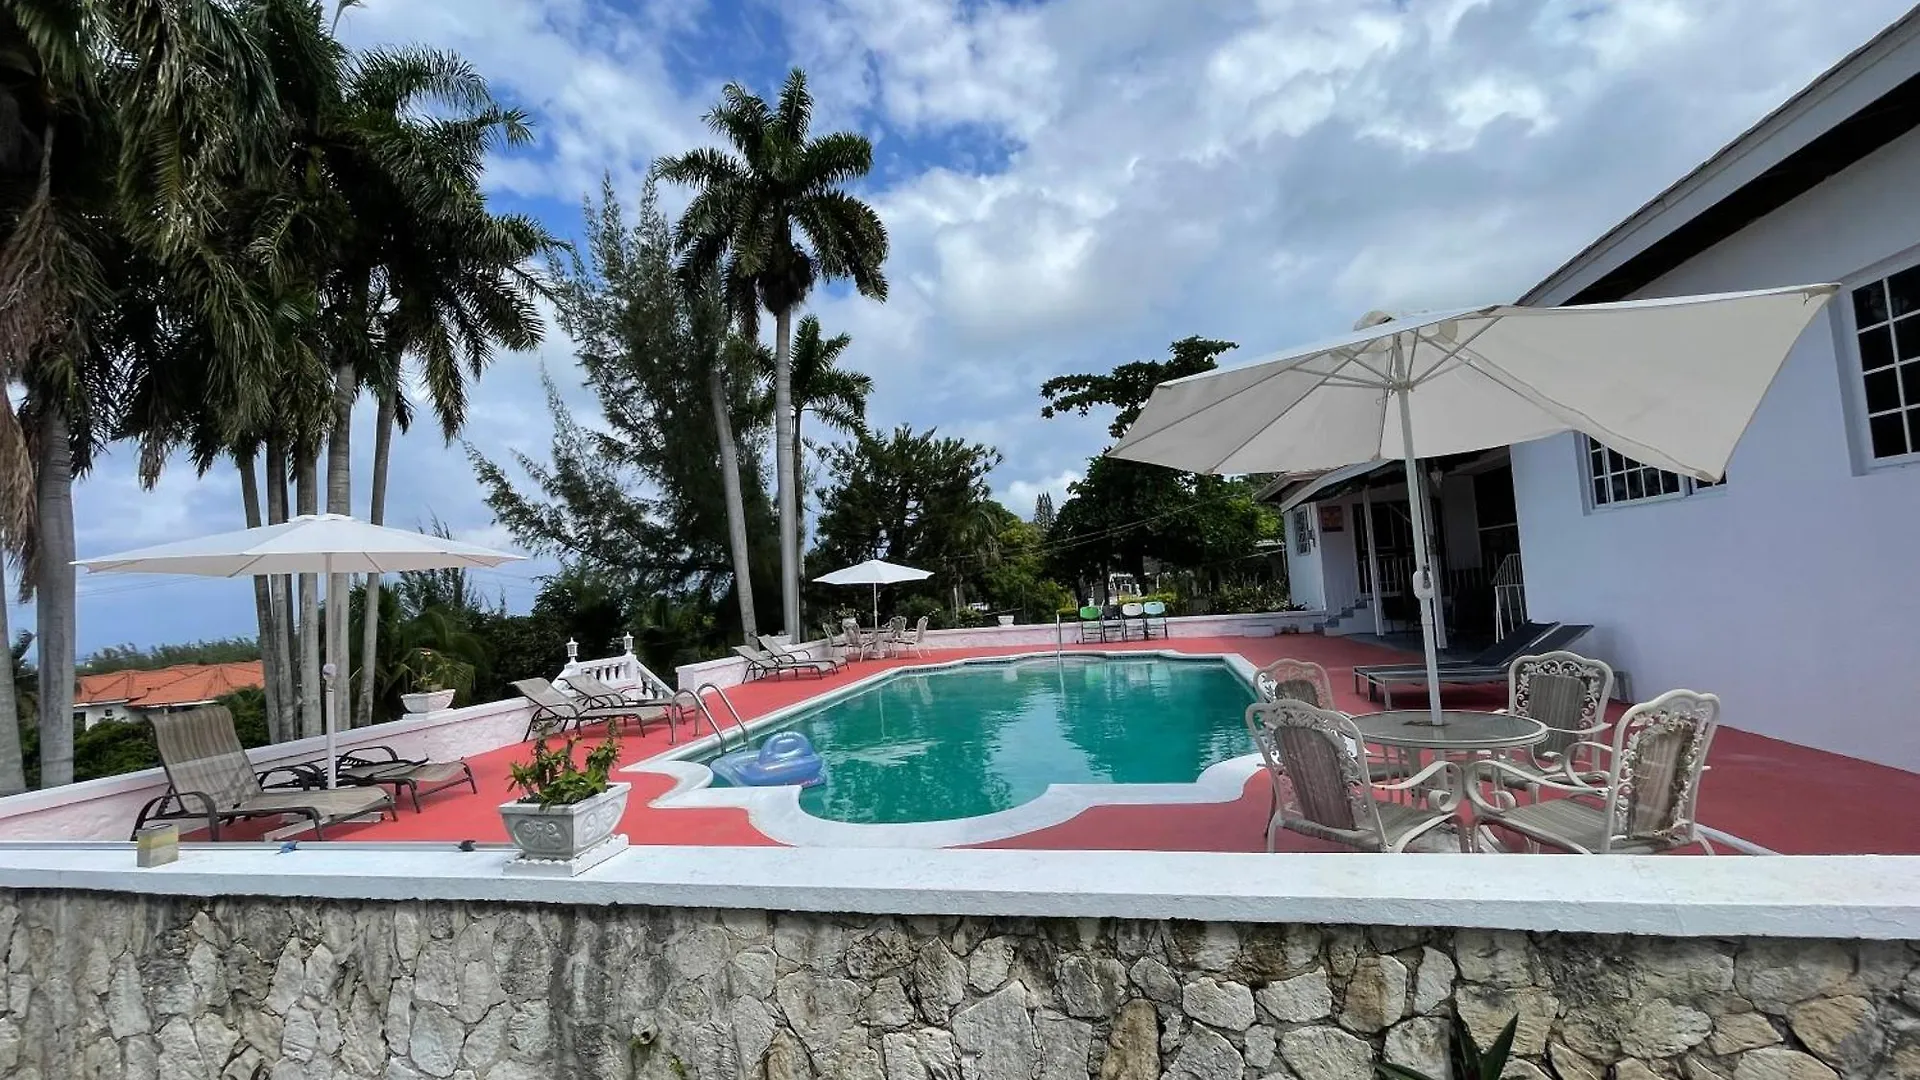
<point>327,674</point>
<point>1422,568</point>
<point>876,607</point>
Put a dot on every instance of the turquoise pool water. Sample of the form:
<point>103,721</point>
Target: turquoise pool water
<point>929,746</point>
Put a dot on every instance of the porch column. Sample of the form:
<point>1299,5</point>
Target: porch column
<point>1373,561</point>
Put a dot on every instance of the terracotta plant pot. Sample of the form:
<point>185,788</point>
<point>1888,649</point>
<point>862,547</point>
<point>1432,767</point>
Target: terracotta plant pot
<point>427,701</point>
<point>561,833</point>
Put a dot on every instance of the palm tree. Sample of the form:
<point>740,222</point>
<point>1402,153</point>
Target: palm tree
<point>13,775</point>
<point>126,119</point>
<point>769,212</point>
<point>832,393</point>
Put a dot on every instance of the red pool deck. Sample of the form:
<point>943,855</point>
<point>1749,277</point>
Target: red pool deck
<point>1780,795</point>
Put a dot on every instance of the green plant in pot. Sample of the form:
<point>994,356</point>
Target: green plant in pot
<point>568,808</point>
<point>436,678</point>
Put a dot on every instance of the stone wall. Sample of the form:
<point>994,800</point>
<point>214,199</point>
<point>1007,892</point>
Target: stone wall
<point>113,985</point>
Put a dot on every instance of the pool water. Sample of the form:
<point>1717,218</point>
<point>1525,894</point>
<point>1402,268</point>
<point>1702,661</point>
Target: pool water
<point>935,745</point>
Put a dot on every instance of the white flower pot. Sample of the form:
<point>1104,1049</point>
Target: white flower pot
<point>561,833</point>
<point>427,701</point>
<point>1006,620</point>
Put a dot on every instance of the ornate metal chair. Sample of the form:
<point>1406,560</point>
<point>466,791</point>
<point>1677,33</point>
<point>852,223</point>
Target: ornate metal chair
<point>1645,802</point>
<point>1568,693</point>
<point>1328,794</point>
<point>1301,680</point>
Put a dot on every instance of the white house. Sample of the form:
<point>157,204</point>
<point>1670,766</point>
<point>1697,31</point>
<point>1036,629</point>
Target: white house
<point>1792,589</point>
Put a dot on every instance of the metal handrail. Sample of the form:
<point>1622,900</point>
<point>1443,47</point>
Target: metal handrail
<point>731,711</point>
<point>700,707</point>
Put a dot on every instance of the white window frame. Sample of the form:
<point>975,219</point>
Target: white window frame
<point>1859,429</point>
<point>1688,487</point>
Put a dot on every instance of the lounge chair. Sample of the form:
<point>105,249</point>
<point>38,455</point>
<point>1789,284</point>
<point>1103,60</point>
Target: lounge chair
<point>554,709</point>
<point>787,652</point>
<point>1645,803</point>
<point>1554,640</point>
<point>1328,794</point>
<point>210,779</point>
<point>1499,654</point>
<point>644,704</point>
<point>761,663</point>
<point>382,766</point>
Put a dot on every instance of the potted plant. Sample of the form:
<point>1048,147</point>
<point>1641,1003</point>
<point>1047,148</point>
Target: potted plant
<point>435,677</point>
<point>565,811</point>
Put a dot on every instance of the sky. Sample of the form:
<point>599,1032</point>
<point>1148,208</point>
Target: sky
<point>1068,185</point>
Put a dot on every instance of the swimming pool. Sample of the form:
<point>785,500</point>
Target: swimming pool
<point>934,745</point>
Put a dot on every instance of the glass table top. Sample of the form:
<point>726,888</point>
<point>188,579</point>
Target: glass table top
<point>1463,729</point>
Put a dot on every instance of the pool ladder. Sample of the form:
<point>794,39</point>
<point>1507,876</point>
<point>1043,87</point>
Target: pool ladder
<point>698,697</point>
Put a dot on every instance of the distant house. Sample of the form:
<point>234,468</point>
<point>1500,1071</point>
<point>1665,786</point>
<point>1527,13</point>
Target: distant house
<point>125,695</point>
<point>1788,589</point>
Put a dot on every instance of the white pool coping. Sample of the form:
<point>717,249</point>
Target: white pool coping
<point>1849,897</point>
<point>777,814</point>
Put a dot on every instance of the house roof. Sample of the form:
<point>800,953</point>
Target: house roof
<point>182,684</point>
<point>1867,100</point>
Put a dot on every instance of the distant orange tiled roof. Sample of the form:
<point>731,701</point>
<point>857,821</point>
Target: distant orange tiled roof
<point>181,684</point>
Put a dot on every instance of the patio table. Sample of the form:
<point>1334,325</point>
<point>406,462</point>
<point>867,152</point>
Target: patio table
<point>1404,733</point>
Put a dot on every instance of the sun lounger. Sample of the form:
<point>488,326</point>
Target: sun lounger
<point>640,703</point>
<point>1554,640</point>
<point>211,779</point>
<point>786,652</point>
<point>554,709</point>
<point>1501,653</point>
<point>761,663</point>
<point>381,765</point>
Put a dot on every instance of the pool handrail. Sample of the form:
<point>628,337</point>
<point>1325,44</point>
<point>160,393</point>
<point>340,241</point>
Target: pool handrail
<point>698,697</point>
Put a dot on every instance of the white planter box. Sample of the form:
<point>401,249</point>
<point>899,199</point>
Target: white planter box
<point>427,701</point>
<point>564,840</point>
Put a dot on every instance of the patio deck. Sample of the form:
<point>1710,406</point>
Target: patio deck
<point>1753,790</point>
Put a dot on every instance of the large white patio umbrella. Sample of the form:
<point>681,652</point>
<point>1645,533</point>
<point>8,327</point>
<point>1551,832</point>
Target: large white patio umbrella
<point>1670,382</point>
<point>874,572</point>
<point>323,544</point>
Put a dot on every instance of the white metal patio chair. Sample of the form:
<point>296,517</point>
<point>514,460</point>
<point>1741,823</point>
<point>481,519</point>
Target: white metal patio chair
<point>1646,802</point>
<point>862,643</point>
<point>1568,693</point>
<point>1328,794</point>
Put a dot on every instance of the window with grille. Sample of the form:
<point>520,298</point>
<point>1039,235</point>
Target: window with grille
<point>1886,322</point>
<point>1614,478</point>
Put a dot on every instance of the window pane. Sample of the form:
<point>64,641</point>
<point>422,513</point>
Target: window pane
<point>1619,488</point>
<point>1636,486</point>
<point>1889,435</point>
<point>1870,304</point>
<point>1876,348</point>
<point>1906,333</point>
<point>1600,491</point>
<point>1904,288</point>
<point>1910,379</point>
<point>1883,391</point>
<point>1669,482</point>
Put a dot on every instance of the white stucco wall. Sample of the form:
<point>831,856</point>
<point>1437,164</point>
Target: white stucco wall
<point>1305,584</point>
<point>1791,593</point>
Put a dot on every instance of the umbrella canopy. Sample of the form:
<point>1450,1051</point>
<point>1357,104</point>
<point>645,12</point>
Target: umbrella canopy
<point>309,544</point>
<point>874,572</point>
<point>1670,382</point>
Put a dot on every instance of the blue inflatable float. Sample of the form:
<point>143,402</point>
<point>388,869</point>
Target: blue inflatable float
<point>784,759</point>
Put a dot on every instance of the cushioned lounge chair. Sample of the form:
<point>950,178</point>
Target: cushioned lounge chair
<point>642,704</point>
<point>1499,654</point>
<point>1383,681</point>
<point>761,663</point>
<point>210,779</point>
<point>382,766</point>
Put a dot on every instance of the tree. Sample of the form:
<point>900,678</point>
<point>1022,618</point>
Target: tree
<point>636,505</point>
<point>915,498</point>
<point>773,180</point>
<point>1043,515</point>
<point>1122,512</point>
<point>13,774</point>
<point>124,119</point>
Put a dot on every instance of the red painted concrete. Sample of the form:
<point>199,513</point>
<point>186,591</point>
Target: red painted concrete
<point>1786,797</point>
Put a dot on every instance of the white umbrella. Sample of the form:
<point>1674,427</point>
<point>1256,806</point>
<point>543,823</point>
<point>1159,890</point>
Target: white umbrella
<point>309,544</point>
<point>1670,382</point>
<point>874,572</point>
